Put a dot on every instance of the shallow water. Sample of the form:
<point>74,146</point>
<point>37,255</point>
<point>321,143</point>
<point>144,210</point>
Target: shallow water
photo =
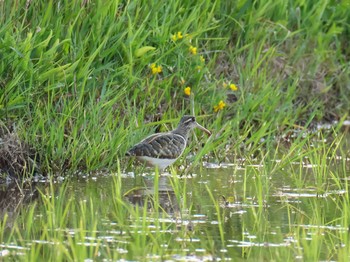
<point>258,211</point>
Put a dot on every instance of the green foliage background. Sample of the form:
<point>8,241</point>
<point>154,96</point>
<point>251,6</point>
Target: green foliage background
<point>71,80</point>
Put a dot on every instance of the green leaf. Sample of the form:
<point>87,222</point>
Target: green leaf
<point>143,50</point>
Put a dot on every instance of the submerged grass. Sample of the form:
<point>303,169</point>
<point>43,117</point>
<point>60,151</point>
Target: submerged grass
<point>271,210</point>
<point>77,76</point>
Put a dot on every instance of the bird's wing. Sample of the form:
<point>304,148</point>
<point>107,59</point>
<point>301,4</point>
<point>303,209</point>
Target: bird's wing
<point>162,145</point>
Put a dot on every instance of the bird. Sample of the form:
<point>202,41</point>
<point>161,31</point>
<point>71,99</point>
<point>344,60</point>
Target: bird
<point>163,149</point>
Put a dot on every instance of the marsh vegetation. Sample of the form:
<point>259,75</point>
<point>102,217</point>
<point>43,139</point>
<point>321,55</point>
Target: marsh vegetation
<point>83,81</point>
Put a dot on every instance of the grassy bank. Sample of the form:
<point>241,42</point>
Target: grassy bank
<point>84,80</point>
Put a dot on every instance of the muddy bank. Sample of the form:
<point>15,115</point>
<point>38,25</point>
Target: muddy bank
<point>18,160</point>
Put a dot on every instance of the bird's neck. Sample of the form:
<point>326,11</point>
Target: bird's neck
<point>182,131</point>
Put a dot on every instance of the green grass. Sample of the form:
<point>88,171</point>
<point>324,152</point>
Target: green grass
<point>77,82</point>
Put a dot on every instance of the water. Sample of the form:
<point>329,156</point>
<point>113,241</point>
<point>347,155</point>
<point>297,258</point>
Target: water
<point>222,212</point>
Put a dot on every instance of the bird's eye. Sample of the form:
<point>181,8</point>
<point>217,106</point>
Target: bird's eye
<point>193,119</point>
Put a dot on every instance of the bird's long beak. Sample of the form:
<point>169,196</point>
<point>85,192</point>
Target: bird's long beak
<point>203,129</point>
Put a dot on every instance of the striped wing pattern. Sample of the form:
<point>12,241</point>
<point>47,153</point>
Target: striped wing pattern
<point>163,146</point>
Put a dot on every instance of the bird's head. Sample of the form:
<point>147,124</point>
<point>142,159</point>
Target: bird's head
<point>189,122</point>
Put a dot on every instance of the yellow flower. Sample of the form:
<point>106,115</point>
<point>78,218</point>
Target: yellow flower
<point>220,106</point>
<point>193,50</point>
<point>201,58</point>
<point>177,36</point>
<point>174,37</point>
<point>187,91</point>
<point>199,68</point>
<point>156,69</point>
<point>233,87</point>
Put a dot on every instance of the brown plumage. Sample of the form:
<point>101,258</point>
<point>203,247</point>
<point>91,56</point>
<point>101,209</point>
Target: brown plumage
<point>163,149</point>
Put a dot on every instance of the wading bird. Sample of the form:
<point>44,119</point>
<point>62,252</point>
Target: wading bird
<point>163,149</point>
